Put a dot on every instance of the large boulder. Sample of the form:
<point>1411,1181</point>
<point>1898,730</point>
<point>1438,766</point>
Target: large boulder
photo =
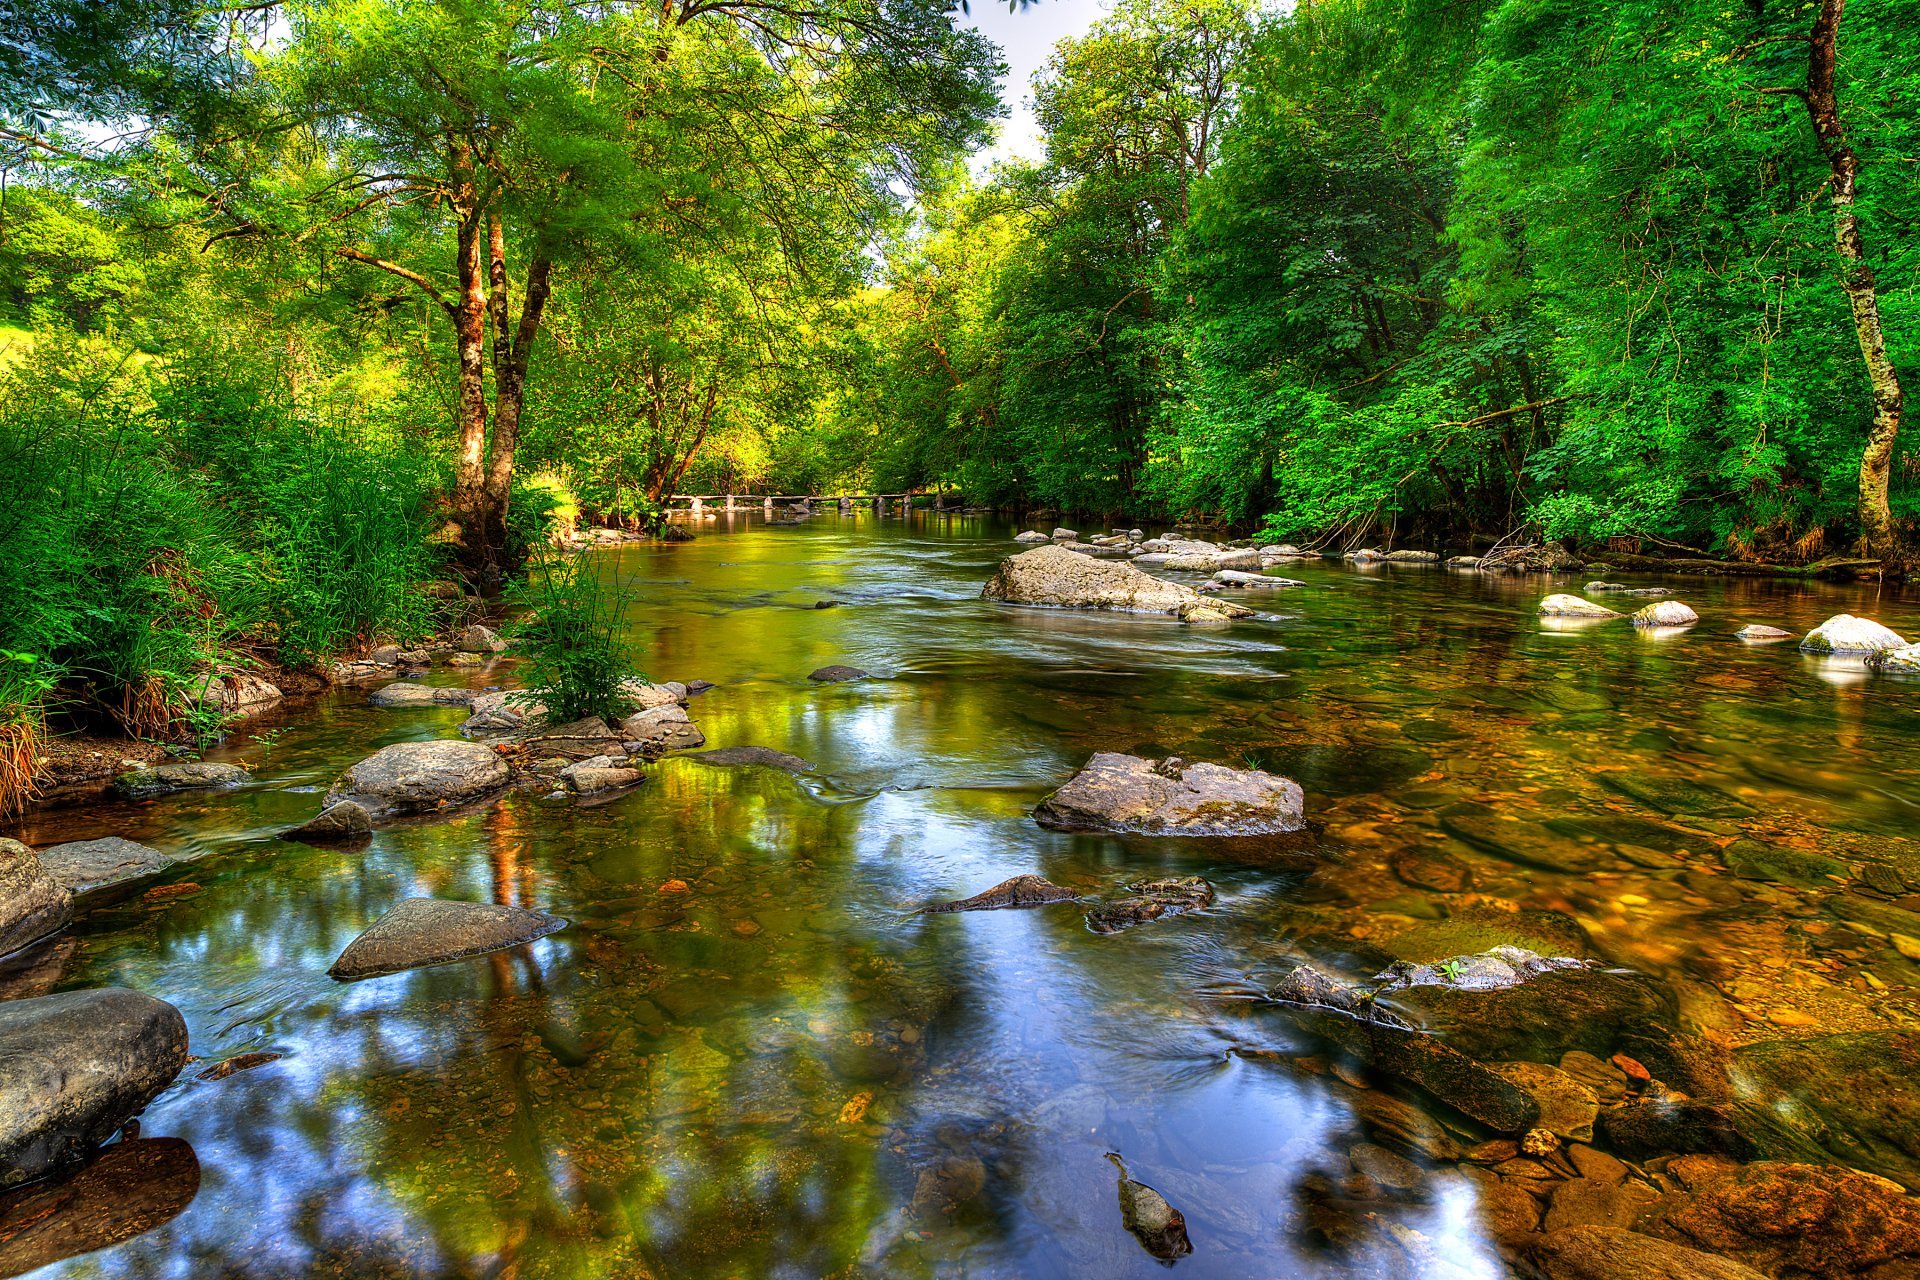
<point>662,729</point>
<point>418,777</point>
<point>402,694</point>
<point>1056,577</point>
<point>1114,792</point>
<point>427,931</point>
<point>1844,633</point>
<point>1611,1253</point>
<point>1803,1220</point>
<point>74,1068</point>
<point>1546,557</point>
<point>83,865</point>
<point>33,905</point>
<point>1566,606</point>
<point>1212,561</point>
<point>1665,613</point>
<point>165,779</point>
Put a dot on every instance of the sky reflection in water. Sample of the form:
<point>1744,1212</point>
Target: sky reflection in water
<point>782,1072</point>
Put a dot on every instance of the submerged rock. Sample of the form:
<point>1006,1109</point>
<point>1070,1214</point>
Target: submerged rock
<point>1665,613</point>
<point>1565,606</point>
<point>165,779</point>
<point>402,694</point>
<point>130,1189</point>
<point>836,674</point>
<point>1754,631</point>
<point>1114,792</point>
<point>427,931</point>
<point>755,755</point>
<point>1160,1228</point>
<point>33,905</point>
<point>74,1068</point>
<point>419,777</point>
<point>1660,1121</point>
<point>1151,899</point>
<point>1844,633</point>
<point>1612,1253</point>
<point>83,865</point>
<point>335,824</point>
<point>1548,557</point>
<point>1904,661</point>
<point>1845,1098</point>
<point>1056,577</point>
<point>662,729</point>
<point>1803,1220</point>
<point>1020,891</point>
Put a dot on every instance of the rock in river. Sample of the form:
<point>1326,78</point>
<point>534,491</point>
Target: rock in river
<point>402,694</point>
<point>33,905</point>
<point>1053,576</point>
<point>417,777</point>
<point>76,1066</point>
<point>426,931</point>
<point>660,729</point>
<point>96,864</point>
<point>836,674</point>
<point>335,824</point>
<point>478,639</point>
<point>165,779</point>
<point>1756,632</point>
<point>1546,557</point>
<point>1844,633</point>
<point>1847,1098</point>
<point>1611,1253</point>
<point>1160,1228</point>
<point>1151,899</point>
<point>756,755</point>
<point>1621,588</point>
<point>1566,606</point>
<point>1803,1220</point>
<point>1904,661</point>
<point>1020,891</point>
<point>1116,792</point>
<point>1665,613</point>
<point>1236,578</point>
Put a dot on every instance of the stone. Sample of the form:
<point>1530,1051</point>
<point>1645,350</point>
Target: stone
<point>387,655</point>
<point>1661,1121</point>
<point>1114,792</point>
<point>644,695</point>
<point>1019,891</point>
<point>165,779</point>
<point>589,781</point>
<point>1755,632</point>
<point>1507,1211</point>
<point>1778,864</point>
<point>1031,535</point>
<point>1055,577</point>
<point>661,729</point>
<point>496,713</point>
<point>402,694</point>
<point>765,756</point>
<point>1548,557</point>
<point>1565,606</point>
<point>1675,796</point>
<point>576,740</point>
<point>836,674</point>
<point>1798,1219</point>
<point>33,905</point>
<point>1595,1165</point>
<point>1904,661</point>
<point>1620,588</point>
<point>1665,613</point>
<point>428,931</point>
<point>1160,1228</point>
<point>1567,1107</point>
<point>1065,535</point>
<point>337,823</point>
<point>1463,562</point>
<point>1151,899</point>
<point>74,1068</point>
<point>84,865</point>
<point>1611,1253</point>
<point>131,1188</point>
<point>1847,1098</point>
<point>1236,578</point>
<point>239,695</point>
<point>1844,633</point>
<point>1413,557</point>
<point>420,777</point>
<point>478,639</point>
<point>1389,1171</point>
<point>1580,1202</point>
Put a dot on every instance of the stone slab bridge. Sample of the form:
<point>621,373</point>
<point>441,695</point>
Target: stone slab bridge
<point>700,503</point>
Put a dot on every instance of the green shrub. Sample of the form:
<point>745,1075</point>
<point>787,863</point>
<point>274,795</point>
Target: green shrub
<point>577,660</point>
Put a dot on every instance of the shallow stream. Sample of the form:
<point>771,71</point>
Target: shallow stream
<point>771,1068</point>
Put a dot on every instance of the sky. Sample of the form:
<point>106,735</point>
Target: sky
<point>1025,40</point>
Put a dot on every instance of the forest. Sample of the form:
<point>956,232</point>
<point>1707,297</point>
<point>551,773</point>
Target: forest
<point>309,305</point>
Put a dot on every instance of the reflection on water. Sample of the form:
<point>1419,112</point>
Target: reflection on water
<point>772,1069</point>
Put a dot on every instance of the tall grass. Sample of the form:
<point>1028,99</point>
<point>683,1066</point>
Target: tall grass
<point>576,656</point>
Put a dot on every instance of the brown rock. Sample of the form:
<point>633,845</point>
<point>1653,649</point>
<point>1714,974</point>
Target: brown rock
<point>1607,1253</point>
<point>1801,1219</point>
<point>1586,1202</point>
<point>33,905</point>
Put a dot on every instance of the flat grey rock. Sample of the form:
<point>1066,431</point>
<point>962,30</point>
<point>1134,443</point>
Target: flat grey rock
<point>33,905</point>
<point>74,1068</point>
<point>165,779</point>
<point>835,674</point>
<point>419,777</point>
<point>1116,792</point>
<point>662,728</point>
<point>1056,577</point>
<point>1566,606</point>
<point>1844,633</point>
<point>402,694</point>
<point>82,865</point>
<point>337,823</point>
<point>427,931</point>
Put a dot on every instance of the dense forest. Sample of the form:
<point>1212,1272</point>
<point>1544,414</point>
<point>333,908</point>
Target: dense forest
<point>308,304</point>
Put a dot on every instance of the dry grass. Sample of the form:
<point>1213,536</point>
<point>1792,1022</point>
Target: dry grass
<point>22,741</point>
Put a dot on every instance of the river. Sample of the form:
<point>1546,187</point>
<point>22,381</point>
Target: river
<point>747,1057</point>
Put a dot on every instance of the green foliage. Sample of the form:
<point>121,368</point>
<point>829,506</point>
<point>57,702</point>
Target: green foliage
<point>575,660</point>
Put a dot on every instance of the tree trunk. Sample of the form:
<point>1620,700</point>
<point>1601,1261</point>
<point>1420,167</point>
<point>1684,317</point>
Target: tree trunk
<point>469,323</point>
<point>1856,277</point>
<point>512,347</point>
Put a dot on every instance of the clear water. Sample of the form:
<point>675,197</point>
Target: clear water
<point>781,1072</point>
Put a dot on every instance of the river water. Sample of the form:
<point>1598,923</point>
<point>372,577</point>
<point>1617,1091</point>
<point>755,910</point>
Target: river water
<point>747,1058</point>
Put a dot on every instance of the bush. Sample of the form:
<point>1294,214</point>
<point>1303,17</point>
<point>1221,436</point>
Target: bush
<point>577,661</point>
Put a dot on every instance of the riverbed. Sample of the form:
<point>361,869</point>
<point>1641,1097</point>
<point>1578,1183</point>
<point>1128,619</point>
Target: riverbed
<point>748,1057</point>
